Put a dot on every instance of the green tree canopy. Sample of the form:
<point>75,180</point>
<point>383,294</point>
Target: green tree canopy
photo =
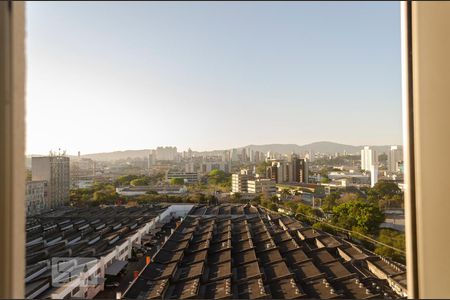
<point>236,197</point>
<point>198,198</point>
<point>177,181</point>
<point>330,201</point>
<point>392,238</point>
<point>218,177</point>
<point>124,180</point>
<point>273,206</point>
<point>347,197</point>
<point>358,216</point>
<point>292,205</point>
<point>386,189</point>
<point>305,210</point>
<point>139,181</point>
<point>257,200</point>
<point>324,179</point>
<point>212,200</point>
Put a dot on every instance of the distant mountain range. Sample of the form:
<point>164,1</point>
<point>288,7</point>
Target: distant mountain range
<point>317,147</point>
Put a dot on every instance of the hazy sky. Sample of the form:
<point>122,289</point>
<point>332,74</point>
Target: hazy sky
<point>116,76</point>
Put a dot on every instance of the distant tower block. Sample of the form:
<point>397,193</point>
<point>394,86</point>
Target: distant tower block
<point>373,175</point>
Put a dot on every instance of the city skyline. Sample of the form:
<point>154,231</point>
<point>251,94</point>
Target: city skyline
<point>58,152</point>
<point>211,75</point>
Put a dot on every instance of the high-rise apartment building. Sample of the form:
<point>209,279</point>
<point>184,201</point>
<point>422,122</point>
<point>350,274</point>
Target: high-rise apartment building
<point>244,156</point>
<point>258,156</point>
<point>234,155</point>
<point>310,155</point>
<point>189,167</point>
<point>36,197</point>
<point>294,170</point>
<point>166,153</point>
<point>208,166</point>
<point>151,160</point>
<point>299,167</point>
<point>368,158</point>
<point>279,171</point>
<point>251,155</point>
<point>395,156</point>
<point>373,175</point>
<point>55,170</point>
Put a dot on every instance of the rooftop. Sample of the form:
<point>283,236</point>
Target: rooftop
<point>81,232</point>
<point>236,255</point>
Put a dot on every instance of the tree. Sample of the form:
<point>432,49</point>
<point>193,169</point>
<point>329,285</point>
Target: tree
<point>325,179</point>
<point>386,189</point>
<point>139,181</point>
<point>101,196</point>
<point>198,198</point>
<point>292,206</point>
<point>236,197</point>
<point>265,203</point>
<point>177,181</point>
<point>273,206</point>
<point>347,197</point>
<point>386,194</point>
<point>124,180</point>
<point>305,213</point>
<point>212,200</point>
<point>392,238</point>
<point>358,216</point>
<point>319,191</point>
<point>285,193</point>
<point>330,201</point>
<point>219,180</point>
<point>304,210</point>
<point>257,200</point>
<point>261,168</point>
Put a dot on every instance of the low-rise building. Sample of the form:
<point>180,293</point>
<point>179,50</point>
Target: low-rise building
<point>142,190</point>
<point>188,177</point>
<point>70,251</point>
<point>261,185</point>
<point>249,252</point>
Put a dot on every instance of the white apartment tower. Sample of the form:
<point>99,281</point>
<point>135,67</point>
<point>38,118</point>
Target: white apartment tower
<point>368,158</point>
<point>373,175</point>
<point>239,182</point>
<point>261,185</point>
<point>56,171</point>
<point>395,156</point>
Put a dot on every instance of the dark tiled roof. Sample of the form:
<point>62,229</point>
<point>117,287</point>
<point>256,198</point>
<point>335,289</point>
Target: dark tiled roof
<point>249,257</point>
